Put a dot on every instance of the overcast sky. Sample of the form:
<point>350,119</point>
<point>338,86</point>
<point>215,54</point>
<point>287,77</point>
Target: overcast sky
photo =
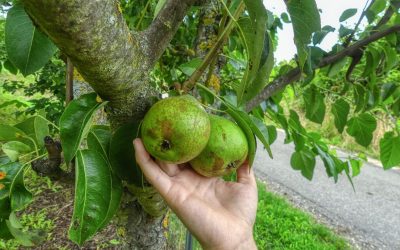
<point>331,11</point>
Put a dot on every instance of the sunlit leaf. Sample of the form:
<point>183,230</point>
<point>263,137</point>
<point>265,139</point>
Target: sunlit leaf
<point>13,149</point>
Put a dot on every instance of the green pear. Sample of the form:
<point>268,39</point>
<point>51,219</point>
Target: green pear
<point>226,149</point>
<point>176,129</point>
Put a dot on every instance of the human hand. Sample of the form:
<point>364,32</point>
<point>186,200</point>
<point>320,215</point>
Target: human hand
<point>219,214</point>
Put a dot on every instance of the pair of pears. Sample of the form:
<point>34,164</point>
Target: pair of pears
<point>178,130</point>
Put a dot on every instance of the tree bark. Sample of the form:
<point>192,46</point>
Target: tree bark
<point>116,63</point>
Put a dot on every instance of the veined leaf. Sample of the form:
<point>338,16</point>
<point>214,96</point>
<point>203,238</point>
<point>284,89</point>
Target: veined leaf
<point>13,185</point>
<point>306,20</point>
<point>390,150</point>
<point>10,133</point>
<point>340,111</point>
<point>304,160</point>
<point>99,141</point>
<point>96,195</point>
<point>35,127</point>
<point>361,128</point>
<point>121,154</point>
<point>330,162</point>
<point>13,149</point>
<point>27,48</point>
<point>315,105</point>
<point>259,49</point>
<point>76,121</point>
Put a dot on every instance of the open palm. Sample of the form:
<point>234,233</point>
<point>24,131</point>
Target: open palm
<point>220,214</point>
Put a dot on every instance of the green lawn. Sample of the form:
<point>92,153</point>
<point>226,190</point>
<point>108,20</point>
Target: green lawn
<point>278,226</point>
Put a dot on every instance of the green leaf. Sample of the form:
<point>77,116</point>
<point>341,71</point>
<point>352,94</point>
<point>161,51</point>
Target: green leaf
<point>390,150</point>
<point>27,48</point>
<point>319,36</point>
<point>272,134</point>
<point>340,111</point>
<point>30,238</point>
<point>306,20</point>
<point>336,68</point>
<point>191,66</point>
<point>360,97</point>
<point>159,6</point>
<point>259,47</point>
<point>361,128</point>
<point>261,131</point>
<point>387,90</point>
<point>343,31</point>
<point>75,123</point>
<point>297,130</point>
<point>377,7</point>
<point>315,105</point>
<point>355,167</point>
<point>35,127</point>
<point>347,14</point>
<point>96,195</point>
<point>13,149</point>
<point>303,160</point>
<point>99,141</point>
<point>330,162</point>
<point>241,122</point>
<point>391,58</point>
<point>122,154</point>
<point>14,187</point>
<point>10,133</point>
<point>5,233</point>
<point>10,67</point>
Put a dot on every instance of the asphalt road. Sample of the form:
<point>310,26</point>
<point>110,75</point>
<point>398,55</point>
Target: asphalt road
<point>369,218</point>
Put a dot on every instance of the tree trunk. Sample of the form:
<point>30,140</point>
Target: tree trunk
<point>116,63</point>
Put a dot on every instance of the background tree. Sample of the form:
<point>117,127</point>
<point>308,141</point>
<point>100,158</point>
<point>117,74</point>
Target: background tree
<point>222,52</point>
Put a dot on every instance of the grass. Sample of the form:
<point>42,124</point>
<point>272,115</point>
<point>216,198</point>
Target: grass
<point>279,225</point>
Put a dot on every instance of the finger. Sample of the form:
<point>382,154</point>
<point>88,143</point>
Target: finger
<point>170,169</point>
<point>245,175</point>
<point>150,169</point>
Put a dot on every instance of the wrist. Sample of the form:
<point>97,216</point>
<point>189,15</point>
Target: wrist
<point>248,244</point>
<point>242,243</point>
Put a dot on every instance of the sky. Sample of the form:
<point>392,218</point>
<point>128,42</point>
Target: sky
<point>331,11</point>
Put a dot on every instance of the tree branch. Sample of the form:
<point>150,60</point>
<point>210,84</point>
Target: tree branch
<point>159,34</point>
<point>94,35</point>
<point>295,74</point>
<point>351,36</point>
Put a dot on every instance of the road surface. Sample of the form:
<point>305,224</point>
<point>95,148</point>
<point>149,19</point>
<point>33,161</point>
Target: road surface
<point>369,218</point>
